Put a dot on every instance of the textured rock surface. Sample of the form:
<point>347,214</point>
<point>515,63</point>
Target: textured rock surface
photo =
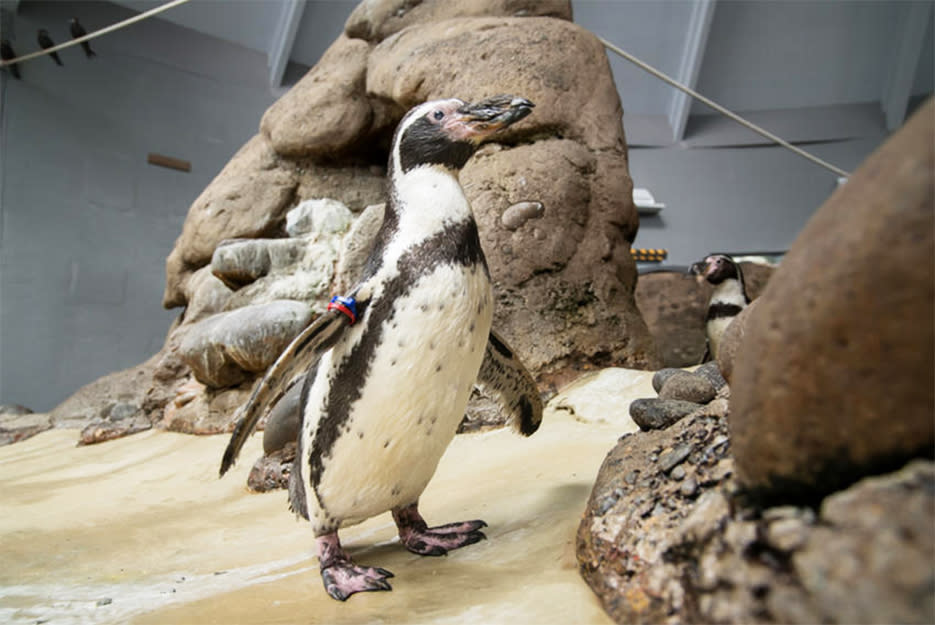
<point>328,109</point>
<point>688,386</point>
<point>18,423</point>
<point>652,413</point>
<point>374,20</point>
<point>224,349</point>
<point>834,377</point>
<point>247,199</point>
<point>732,339</point>
<point>470,58</point>
<point>667,538</point>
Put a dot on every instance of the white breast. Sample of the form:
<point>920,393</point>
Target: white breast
<point>413,398</point>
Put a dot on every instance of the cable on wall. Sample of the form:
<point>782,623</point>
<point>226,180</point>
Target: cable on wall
<point>96,33</point>
<point>722,110</point>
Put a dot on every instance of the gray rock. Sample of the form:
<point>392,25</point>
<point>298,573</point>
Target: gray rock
<point>224,349</point>
<point>653,414</point>
<point>18,423</point>
<point>320,217</point>
<point>662,376</point>
<point>282,425</point>
<point>518,214</point>
<point>688,387</point>
<point>674,457</point>
<point>711,372</point>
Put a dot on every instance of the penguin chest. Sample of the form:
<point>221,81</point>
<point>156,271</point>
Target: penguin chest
<point>715,330</point>
<point>431,344</point>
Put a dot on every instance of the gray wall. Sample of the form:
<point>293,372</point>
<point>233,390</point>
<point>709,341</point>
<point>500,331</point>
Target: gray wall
<point>85,222</point>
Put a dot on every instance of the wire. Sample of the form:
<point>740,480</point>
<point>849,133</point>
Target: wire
<point>723,111</point>
<point>97,33</point>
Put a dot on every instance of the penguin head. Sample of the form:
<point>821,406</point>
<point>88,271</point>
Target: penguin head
<point>716,268</point>
<point>446,133</point>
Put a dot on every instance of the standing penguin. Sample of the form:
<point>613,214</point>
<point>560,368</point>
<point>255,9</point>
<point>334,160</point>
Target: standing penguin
<point>45,42</point>
<point>727,300</point>
<point>397,359</point>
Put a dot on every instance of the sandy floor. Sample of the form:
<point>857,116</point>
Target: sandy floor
<point>141,530</point>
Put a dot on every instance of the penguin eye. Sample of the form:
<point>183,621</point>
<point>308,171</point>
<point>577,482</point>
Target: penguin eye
<point>438,115</point>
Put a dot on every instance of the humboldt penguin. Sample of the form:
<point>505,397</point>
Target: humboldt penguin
<point>727,300</point>
<point>391,364</point>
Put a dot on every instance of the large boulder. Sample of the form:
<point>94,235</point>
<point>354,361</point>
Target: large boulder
<point>375,20</point>
<point>833,379</point>
<point>247,199</point>
<point>668,537</point>
<point>470,58</point>
<point>328,109</point>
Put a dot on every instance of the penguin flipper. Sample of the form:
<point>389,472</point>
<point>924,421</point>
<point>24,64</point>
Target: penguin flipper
<point>505,379</point>
<point>303,352</point>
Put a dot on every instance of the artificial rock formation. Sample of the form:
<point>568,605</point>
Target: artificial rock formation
<point>552,195</point>
<point>833,379</point>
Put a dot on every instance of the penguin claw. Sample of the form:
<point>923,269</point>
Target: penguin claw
<point>345,578</point>
<point>438,541</point>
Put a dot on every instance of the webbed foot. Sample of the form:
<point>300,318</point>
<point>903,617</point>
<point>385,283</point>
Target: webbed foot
<point>341,576</point>
<point>418,538</point>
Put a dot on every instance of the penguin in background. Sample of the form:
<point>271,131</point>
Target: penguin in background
<point>7,53</point>
<point>728,299</point>
<point>45,42</point>
<point>398,357</point>
<point>77,30</point>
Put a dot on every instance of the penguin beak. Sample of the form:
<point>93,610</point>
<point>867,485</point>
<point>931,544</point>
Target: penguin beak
<point>481,119</point>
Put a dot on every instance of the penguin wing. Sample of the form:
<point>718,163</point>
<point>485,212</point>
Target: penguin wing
<point>503,377</point>
<point>303,352</point>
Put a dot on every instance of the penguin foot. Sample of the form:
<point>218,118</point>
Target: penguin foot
<point>418,538</point>
<point>341,576</point>
<point>343,579</point>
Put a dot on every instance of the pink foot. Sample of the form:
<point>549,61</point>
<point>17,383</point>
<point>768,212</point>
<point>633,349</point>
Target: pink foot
<point>417,537</point>
<point>342,578</point>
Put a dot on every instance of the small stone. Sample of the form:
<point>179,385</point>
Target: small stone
<point>104,601</point>
<point>712,373</point>
<point>672,458</point>
<point>521,212</point>
<point>689,387</point>
<point>655,414</point>
<point>122,410</point>
<point>689,487</point>
<point>787,534</point>
<point>706,516</point>
<point>631,477</point>
<point>661,376</point>
<point>678,473</point>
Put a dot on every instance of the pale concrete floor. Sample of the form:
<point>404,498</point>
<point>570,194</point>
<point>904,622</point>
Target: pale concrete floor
<point>141,530</point>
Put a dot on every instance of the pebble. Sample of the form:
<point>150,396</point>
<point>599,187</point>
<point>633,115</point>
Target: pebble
<point>678,473</point>
<point>689,487</point>
<point>675,457</point>
<point>662,376</point>
<point>689,387</point>
<point>655,414</point>
<point>521,212</point>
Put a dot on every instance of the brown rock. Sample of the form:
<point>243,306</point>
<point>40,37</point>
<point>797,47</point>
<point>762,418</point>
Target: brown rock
<point>732,339</point>
<point>93,403</point>
<point>212,412</point>
<point>247,199</point>
<point>375,20</point>
<point>328,109</point>
<point>556,64</point>
<point>689,387</point>
<point>563,280</point>
<point>18,423</point>
<point>673,305</point>
<point>834,377</point>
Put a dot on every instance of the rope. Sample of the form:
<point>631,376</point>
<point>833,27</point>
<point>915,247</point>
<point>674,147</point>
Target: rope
<point>96,33</point>
<point>723,111</point>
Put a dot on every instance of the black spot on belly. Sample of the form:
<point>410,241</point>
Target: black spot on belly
<point>438,368</point>
<point>360,435</point>
<point>458,245</point>
<point>386,444</point>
